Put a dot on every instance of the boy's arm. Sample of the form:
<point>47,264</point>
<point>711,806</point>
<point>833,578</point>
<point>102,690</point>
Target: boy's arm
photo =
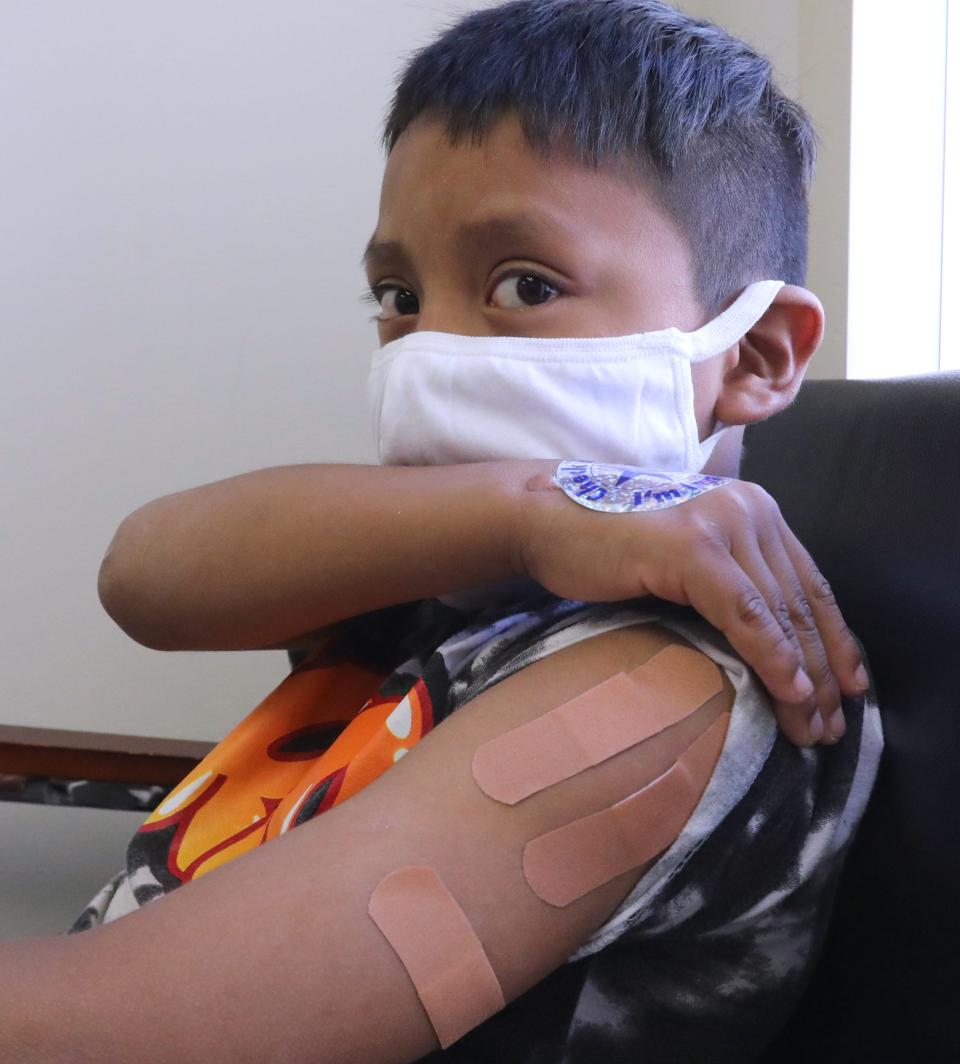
<point>273,956</point>
<point>268,559</point>
<point>260,559</point>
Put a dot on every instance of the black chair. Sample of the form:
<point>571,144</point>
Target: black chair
<point>867,473</point>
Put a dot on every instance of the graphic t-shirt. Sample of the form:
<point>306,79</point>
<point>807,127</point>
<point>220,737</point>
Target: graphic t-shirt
<point>706,957</point>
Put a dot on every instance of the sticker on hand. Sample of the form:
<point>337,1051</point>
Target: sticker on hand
<point>625,489</point>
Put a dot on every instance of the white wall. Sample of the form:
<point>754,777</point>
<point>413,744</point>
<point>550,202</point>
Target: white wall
<point>185,190</point>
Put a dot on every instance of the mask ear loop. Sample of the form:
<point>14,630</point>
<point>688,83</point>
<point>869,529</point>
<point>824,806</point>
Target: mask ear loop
<point>711,340</point>
<point>732,324</point>
<point>720,432</point>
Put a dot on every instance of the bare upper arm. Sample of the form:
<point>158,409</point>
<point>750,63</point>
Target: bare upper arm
<point>275,956</point>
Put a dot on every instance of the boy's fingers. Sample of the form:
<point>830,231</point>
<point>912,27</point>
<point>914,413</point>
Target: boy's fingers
<point>794,609</point>
<point>842,650</point>
<point>722,593</point>
<point>780,587</point>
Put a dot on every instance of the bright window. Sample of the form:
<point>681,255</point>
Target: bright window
<point>904,266</point>
<point>950,276</point>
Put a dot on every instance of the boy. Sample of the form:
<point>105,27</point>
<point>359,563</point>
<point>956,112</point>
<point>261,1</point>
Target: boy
<point>567,182</point>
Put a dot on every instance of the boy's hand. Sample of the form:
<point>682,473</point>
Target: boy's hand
<point>727,553</point>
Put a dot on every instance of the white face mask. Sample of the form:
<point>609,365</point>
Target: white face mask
<point>440,398</point>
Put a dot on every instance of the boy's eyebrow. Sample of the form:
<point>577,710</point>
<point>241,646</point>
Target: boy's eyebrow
<point>483,233</point>
<point>378,253</point>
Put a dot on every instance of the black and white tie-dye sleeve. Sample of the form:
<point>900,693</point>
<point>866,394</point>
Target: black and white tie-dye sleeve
<point>708,956</point>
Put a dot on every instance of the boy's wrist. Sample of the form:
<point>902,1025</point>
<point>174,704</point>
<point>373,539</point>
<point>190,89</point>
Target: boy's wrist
<point>532,494</point>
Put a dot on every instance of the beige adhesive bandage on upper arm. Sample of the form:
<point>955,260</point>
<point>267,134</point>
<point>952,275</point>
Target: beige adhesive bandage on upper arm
<point>433,938</point>
<point>609,718</point>
<point>572,860</point>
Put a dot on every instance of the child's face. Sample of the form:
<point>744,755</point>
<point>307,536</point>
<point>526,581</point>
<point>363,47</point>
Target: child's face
<point>494,240</point>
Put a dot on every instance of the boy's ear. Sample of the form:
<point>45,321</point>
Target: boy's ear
<point>766,368</point>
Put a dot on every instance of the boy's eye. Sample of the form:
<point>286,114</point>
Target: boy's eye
<point>522,290</point>
<point>396,302</point>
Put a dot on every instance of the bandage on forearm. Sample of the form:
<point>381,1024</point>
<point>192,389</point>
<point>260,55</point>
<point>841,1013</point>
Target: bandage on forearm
<point>609,718</point>
<point>572,860</point>
<point>445,960</point>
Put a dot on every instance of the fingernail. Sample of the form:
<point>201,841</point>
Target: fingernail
<point>816,727</point>
<point>837,724</point>
<point>802,685</point>
<point>861,678</point>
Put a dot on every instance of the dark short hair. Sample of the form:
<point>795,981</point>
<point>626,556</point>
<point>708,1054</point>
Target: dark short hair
<point>692,107</point>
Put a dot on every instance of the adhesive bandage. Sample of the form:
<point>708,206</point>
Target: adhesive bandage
<point>433,938</point>
<point>572,860</point>
<point>609,718</point>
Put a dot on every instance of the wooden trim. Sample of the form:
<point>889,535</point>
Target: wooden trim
<point>66,754</point>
